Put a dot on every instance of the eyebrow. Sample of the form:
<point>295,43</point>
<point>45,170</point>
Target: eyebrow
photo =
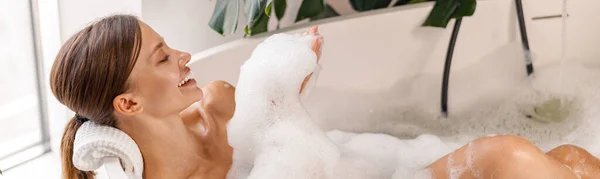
<point>158,46</point>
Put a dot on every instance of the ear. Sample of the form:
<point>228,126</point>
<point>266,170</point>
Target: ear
<point>126,105</point>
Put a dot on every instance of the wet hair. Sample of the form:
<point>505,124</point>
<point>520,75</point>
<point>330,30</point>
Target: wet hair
<point>90,70</point>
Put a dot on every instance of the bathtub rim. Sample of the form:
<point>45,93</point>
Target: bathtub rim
<point>254,39</point>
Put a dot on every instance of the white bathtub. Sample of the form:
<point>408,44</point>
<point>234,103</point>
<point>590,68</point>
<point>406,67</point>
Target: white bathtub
<point>381,65</point>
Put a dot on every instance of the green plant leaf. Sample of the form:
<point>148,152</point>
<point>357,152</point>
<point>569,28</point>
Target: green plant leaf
<point>365,5</point>
<point>444,10</point>
<point>224,19</point>
<point>254,9</point>
<point>466,8</point>
<point>0,172</point>
<point>326,13</point>
<point>416,1</point>
<point>310,8</point>
<point>405,2</point>
<point>402,2</point>
<point>258,26</point>
<point>268,9</point>
<point>280,6</point>
<point>441,13</point>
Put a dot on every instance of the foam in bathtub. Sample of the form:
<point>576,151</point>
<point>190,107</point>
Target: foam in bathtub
<point>415,155</point>
<point>271,133</point>
<point>273,136</point>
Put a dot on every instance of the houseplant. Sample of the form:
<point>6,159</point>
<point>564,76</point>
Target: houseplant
<point>225,19</point>
<point>258,12</point>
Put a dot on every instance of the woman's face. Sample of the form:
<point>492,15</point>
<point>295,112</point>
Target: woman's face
<point>159,80</point>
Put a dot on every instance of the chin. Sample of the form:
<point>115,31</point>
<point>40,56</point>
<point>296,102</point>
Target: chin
<point>193,95</point>
<point>191,91</point>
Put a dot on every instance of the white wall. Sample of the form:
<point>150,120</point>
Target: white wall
<point>184,23</point>
<point>582,29</point>
<point>75,14</point>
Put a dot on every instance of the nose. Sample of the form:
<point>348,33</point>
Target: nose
<point>184,58</point>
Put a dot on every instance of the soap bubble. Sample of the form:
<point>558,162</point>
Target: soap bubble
<point>275,134</point>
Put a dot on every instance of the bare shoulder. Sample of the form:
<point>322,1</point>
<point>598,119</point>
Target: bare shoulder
<point>219,99</point>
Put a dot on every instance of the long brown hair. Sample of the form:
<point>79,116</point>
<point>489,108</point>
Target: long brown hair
<point>90,70</point>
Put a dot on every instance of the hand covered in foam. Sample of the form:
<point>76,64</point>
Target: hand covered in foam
<point>285,60</point>
<point>271,133</point>
<point>316,47</point>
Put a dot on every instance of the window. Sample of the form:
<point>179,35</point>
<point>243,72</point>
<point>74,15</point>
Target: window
<point>23,129</point>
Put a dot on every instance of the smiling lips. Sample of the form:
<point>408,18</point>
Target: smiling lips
<point>185,80</point>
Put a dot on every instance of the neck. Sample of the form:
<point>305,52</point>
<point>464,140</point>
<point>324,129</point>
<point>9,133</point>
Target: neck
<point>167,147</point>
<point>213,137</point>
<point>172,148</point>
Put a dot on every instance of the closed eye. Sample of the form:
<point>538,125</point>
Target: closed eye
<point>164,59</point>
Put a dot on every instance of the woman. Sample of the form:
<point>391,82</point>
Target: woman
<point>119,72</point>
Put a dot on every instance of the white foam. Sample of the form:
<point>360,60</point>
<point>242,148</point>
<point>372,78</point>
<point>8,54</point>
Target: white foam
<point>492,115</point>
<point>274,137</point>
<point>271,133</point>
<point>418,154</point>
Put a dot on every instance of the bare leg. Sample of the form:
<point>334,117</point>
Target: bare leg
<point>579,160</point>
<point>500,157</point>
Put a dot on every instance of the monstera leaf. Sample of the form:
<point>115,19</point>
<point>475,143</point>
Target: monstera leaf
<point>224,19</point>
<point>257,14</point>
<point>465,8</point>
<point>259,25</point>
<point>280,6</point>
<point>225,16</point>
<point>326,13</point>
<point>254,9</point>
<point>444,10</point>
<point>365,5</point>
<point>310,8</point>
<point>440,15</point>
<point>405,2</point>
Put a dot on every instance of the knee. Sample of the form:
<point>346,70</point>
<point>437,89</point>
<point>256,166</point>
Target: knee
<point>566,149</point>
<point>567,153</point>
<point>508,150</point>
<point>507,144</point>
<point>516,157</point>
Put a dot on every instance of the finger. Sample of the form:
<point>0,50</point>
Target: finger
<point>316,47</point>
<point>304,82</point>
<point>314,30</point>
